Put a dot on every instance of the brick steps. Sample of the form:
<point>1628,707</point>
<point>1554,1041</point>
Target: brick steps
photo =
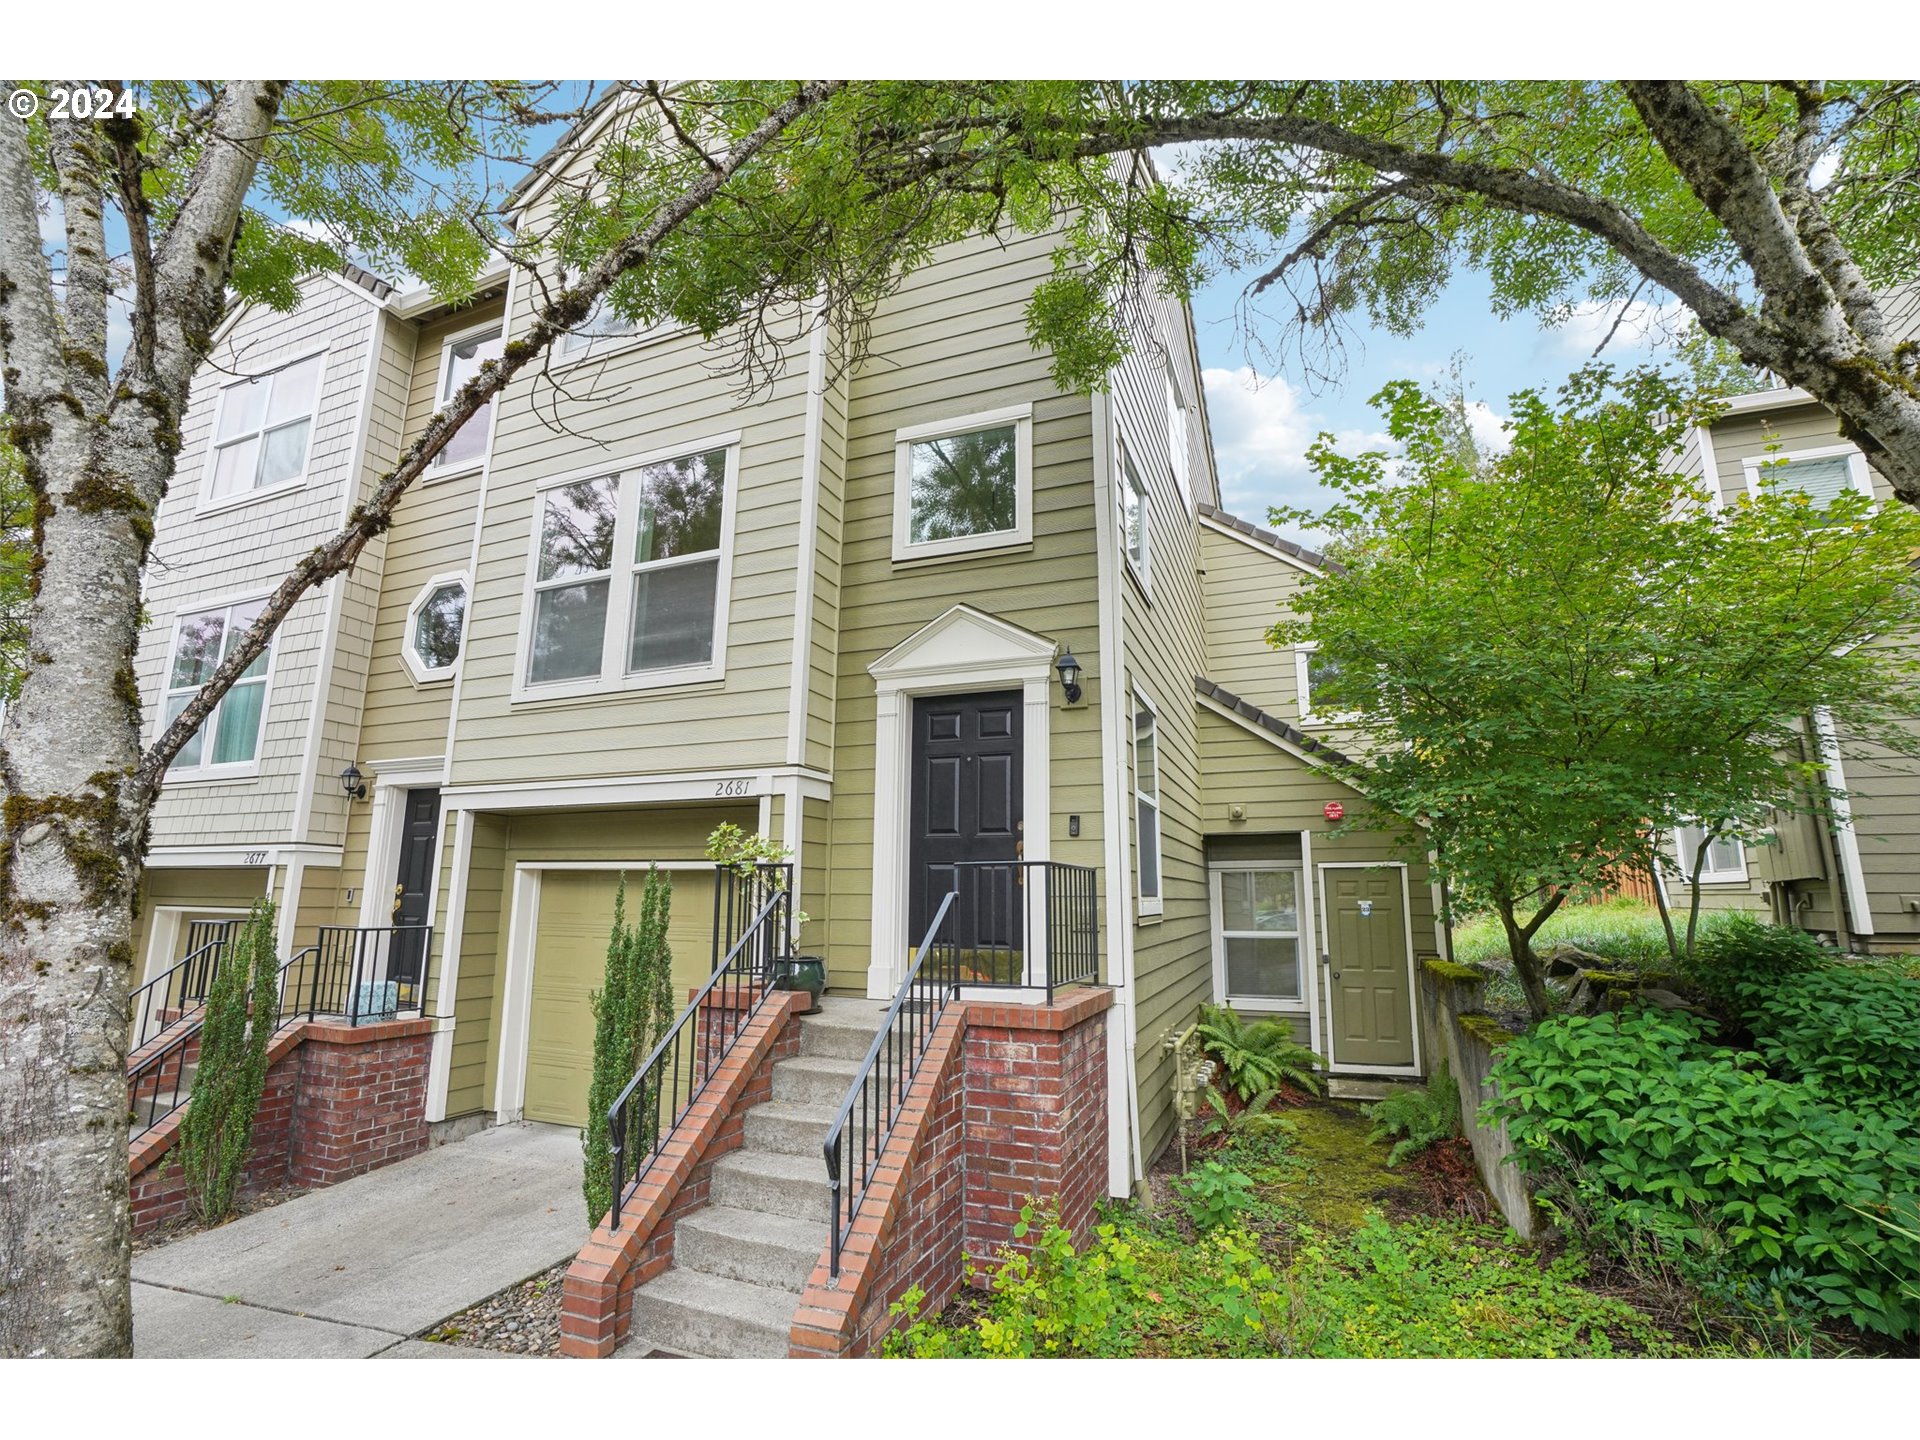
<point>741,1260</point>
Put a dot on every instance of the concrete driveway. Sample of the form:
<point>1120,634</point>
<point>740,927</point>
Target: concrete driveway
<point>355,1269</point>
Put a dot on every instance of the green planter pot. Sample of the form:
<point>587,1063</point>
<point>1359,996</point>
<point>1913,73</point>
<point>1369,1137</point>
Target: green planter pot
<point>802,972</point>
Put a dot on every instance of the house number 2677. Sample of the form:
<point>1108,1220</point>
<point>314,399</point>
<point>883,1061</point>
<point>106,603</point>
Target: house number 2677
<point>730,788</point>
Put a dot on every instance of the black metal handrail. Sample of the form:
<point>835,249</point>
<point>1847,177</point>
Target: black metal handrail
<point>879,1090</point>
<point>737,897</point>
<point>1026,924</point>
<point>643,1118</point>
<point>179,991</point>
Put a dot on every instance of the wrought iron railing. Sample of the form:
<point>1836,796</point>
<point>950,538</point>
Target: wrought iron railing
<point>642,1120</point>
<point>178,993</point>
<point>1026,924</point>
<point>739,897</point>
<point>359,974</point>
<point>858,1136</point>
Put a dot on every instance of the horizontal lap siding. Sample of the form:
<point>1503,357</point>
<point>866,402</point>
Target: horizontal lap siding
<point>248,550</point>
<point>234,888</point>
<point>476,991</point>
<point>1248,591</point>
<point>952,342</point>
<point>1165,647</point>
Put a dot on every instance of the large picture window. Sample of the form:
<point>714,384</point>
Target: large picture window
<point>1146,804</point>
<point>262,431</point>
<point>228,741</point>
<point>629,572</point>
<point>1256,928</point>
<point>963,485</point>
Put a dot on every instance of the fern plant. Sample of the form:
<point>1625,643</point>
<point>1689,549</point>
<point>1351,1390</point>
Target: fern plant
<point>1254,1122</point>
<point>1421,1117</point>
<point>1257,1056</point>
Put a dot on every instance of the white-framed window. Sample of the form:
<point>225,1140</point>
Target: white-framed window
<point>1311,669</point>
<point>460,360</point>
<point>628,574</point>
<point>227,744</point>
<point>1146,803</point>
<point>1726,858</point>
<point>436,628</point>
<point>1257,935</point>
<point>1179,449</point>
<point>964,484</point>
<point>1822,474</point>
<point>1135,518</point>
<point>263,432</point>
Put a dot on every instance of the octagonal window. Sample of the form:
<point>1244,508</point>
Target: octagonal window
<point>436,625</point>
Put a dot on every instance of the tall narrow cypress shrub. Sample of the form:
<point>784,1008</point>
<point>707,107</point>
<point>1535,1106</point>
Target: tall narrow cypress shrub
<point>242,1012</point>
<point>631,1011</point>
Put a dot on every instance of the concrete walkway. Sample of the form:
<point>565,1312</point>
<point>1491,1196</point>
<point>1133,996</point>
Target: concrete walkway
<point>355,1269</point>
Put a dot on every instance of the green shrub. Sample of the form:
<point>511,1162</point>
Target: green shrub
<point>1256,1056</point>
<point>631,1012</point>
<point>1697,1148</point>
<point>1742,951</point>
<point>1424,1115</point>
<point>1216,1195</point>
<point>1254,1122</point>
<point>1852,1033</point>
<point>242,1011</point>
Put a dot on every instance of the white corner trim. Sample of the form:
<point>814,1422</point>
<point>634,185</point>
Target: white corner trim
<point>1709,468</point>
<point>962,651</point>
<point>516,994</point>
<point>801,677</point>
<point>1845,838</point>
<point>905,548</point>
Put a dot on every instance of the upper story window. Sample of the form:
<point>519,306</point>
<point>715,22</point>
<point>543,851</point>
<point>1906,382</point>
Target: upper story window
<point>1179,455</point>
<point>1134,515</point>
<point>1822,475</point>
<point>228,741</point>
<point>1726,857</point>
<point>1146,803</point>
<point>629,576</point>
<point>601,324</point>
<point>436,627</point>
<point>962,485</point>
<point>460,360</point>
<point>1312,671</point>
<point>262,431</point>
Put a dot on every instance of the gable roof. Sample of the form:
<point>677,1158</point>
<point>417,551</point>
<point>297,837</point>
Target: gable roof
<point>1288,735</point>
<point>1290,549</point>
<point>367,281</point>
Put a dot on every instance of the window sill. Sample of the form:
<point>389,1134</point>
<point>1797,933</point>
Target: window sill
<point>1140,583</point>
<point>1150,911</point>
<point>576,691</point>
<point>1001,542</point>
<point>620,344</point>
<point>249,497</point>
<point>236,775</point>
<point>433,475</point>
<point>1265,1005</point>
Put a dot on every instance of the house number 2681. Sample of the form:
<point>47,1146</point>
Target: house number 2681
<point>730,788</point>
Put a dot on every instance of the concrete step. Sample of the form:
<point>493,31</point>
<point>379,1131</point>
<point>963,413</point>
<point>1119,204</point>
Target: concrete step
<point>787,1129</point>
<point>791,1185</point>
<point>709,1315</point>
<point>843,1030</point>
<point>815,1080</point>
<point>750,1245</point>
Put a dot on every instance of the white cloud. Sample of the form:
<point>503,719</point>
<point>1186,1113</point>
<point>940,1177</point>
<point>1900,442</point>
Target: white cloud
<point>1488,429</point>
<point>1261,431</point>
<point>1642,327</point>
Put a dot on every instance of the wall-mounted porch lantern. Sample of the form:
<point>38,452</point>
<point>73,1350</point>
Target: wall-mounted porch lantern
<point>351,782</point>
<point>1069,669</point>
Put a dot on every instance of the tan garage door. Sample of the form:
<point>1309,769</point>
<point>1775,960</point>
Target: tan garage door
<point>569,964</point>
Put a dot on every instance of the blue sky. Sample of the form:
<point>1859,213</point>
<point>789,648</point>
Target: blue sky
<point>1263,422</point>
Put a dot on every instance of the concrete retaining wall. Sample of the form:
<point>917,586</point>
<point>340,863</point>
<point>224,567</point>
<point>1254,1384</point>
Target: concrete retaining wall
<point>1458,1031</point>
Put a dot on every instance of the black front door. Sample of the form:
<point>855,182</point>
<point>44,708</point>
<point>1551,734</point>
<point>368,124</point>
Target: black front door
<point>412,895</point>
<point>966,806</point>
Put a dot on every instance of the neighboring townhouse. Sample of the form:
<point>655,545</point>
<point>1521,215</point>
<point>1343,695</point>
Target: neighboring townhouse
<point>1849,870</point>
<point>632,605</point>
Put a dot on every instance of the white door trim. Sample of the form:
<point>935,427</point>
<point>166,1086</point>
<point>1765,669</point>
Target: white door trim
<point>1413,993</point>
<point>964,651</point>
<point>164,934</point>
<point>439,1068</point>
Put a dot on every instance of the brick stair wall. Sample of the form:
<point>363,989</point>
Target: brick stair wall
<point>338,1100</point>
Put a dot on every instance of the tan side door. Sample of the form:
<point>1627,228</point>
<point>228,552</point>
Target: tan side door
<point>1370,993</point>
<point>569,966</point>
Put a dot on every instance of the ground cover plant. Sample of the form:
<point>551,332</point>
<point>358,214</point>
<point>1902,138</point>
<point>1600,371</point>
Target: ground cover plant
<point>1626,932</point>
<point>1298,1242</point>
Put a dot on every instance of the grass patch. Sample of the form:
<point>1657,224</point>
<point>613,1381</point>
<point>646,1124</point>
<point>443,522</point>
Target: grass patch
<point>1623,931</point>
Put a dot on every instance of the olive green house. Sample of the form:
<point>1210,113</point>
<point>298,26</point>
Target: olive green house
<point>926,613</point>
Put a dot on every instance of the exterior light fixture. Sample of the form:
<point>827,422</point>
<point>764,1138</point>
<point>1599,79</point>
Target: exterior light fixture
<point>351,782</point>
<point>1069,669</point>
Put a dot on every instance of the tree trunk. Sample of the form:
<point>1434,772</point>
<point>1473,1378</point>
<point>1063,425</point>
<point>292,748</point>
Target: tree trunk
<point>1526,965</point>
